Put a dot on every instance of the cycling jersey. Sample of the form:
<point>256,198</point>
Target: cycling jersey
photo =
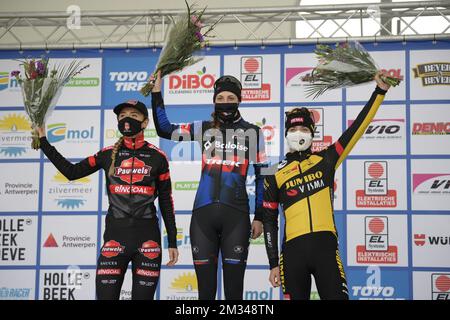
<point>225,161</point>
<point>303,185</point>
<point>141,174</point>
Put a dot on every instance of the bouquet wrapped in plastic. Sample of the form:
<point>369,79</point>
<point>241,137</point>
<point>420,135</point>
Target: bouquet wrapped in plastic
<point>346,65</point>
<point>41,89</point>
<point>184,38</point>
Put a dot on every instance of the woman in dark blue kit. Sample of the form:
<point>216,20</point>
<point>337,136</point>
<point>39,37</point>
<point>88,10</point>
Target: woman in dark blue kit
<point>137,173</point>
<point>220,219</point>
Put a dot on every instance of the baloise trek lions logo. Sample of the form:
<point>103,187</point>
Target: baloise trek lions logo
<point>132,168</point>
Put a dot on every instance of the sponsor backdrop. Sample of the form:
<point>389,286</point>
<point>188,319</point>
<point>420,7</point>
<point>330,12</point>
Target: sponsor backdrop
<point>392,199</point>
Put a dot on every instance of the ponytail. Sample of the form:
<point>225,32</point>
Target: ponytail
<point>116,148</point>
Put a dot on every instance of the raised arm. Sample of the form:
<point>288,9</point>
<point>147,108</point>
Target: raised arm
<point>71,171</point>
<point>164,128</point>
<point>348,139</point>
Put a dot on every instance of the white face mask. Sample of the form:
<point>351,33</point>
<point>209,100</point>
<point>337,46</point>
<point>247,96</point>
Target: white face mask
<point>299,141</point>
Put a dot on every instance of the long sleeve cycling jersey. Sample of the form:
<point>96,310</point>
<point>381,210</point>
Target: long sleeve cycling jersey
<point>141,174</point>
<point>303,185</point>
<point>227,152</point>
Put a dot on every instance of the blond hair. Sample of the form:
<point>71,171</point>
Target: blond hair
<point>116,148</point>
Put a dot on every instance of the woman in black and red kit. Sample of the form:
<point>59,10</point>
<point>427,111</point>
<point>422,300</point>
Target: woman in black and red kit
<point>137,173</point>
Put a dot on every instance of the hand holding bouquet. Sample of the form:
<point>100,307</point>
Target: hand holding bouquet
<point>41,89</point>
<point>347,65</point>
<point>184,38</point>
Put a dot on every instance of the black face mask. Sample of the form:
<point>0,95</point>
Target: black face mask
<point>230,108</point>
<point>129,126</point>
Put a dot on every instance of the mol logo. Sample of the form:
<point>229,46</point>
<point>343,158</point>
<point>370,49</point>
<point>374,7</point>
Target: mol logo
<point>58,132</point>
<point>15,135</point>
<point>259,295</point>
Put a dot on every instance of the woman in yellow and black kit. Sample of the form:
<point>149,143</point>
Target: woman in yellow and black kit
<point>303,185</point>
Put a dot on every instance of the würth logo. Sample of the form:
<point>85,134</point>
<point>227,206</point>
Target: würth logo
<point>419,239</point>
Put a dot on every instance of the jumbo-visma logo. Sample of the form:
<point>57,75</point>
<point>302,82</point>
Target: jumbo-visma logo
<point>15,136</point>
<point>57,132</point>
<point>70,194</point>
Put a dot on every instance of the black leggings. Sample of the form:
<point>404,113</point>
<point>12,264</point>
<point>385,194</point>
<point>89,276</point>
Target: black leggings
<point>215,227</point>
<point>313,254</point>
<point>125,240</point>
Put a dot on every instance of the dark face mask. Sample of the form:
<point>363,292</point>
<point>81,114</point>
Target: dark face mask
<point>230,108</point>
<point>129,126</point>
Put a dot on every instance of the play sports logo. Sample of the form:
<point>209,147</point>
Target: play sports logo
<point>376,248</point>
<point>253,87</point>
<point>376,193</point>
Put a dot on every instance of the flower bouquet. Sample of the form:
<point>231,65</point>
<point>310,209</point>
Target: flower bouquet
<point>184,38</point>
<point>41,89</point>
<point>346,65</point>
